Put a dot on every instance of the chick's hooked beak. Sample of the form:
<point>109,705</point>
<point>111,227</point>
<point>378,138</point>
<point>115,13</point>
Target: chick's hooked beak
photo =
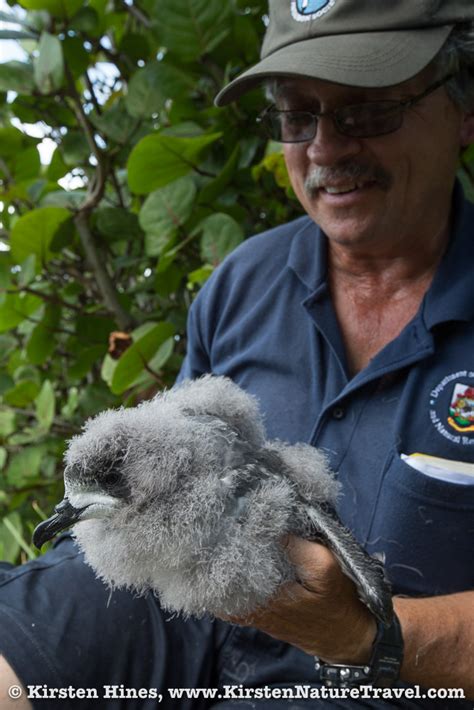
<point>64,516</point>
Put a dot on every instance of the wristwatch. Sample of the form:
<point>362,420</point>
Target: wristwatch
<point>383,669</point>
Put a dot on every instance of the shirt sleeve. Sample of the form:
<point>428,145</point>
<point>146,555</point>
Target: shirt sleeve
<point>197,360</point>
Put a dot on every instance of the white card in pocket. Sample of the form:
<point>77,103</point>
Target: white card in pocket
<point>448,470</point>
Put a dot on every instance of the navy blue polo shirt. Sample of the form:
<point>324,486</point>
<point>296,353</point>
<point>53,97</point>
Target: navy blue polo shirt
<point>265,319</point>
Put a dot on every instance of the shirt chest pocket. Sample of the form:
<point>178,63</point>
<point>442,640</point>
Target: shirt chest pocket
<point>425,527</point>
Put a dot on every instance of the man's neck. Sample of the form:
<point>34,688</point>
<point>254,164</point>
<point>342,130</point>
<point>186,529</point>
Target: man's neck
<point>375,296</point>
<point>389,268</point>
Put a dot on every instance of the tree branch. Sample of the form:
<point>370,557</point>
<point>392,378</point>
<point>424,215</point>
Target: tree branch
<point>47,297</point>
<point>138,15</point>
<point>104,282</point>
<point>97,190</point>
<point>94,100</point>
<point>117,187</point>
<point>94,195</point>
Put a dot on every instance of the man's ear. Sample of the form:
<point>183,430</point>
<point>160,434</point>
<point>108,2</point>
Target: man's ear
<point>467,129</point>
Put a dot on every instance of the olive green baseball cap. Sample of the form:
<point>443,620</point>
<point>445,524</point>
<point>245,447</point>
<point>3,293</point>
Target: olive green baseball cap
<point>366,43</point>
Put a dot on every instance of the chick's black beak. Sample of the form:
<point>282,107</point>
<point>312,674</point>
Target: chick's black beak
<point>64,516</point>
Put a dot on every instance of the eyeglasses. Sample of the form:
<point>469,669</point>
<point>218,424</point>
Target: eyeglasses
<point>373,118</point>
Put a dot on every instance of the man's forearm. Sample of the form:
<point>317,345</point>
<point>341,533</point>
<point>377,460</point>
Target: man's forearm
<point>325,618</point>
<point>10,686</point>
<point>439,641</point>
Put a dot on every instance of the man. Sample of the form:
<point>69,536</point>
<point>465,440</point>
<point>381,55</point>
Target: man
<point>354,327</point>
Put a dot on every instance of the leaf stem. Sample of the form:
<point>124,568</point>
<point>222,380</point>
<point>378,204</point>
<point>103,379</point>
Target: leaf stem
<point>19,539</point>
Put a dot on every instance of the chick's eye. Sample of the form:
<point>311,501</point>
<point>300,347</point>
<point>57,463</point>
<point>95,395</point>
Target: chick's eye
<point>111,479</point>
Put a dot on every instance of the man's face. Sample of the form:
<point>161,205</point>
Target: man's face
<point>376,193</point>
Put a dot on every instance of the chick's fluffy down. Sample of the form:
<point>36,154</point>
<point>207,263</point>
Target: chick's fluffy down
<point>190,530</point>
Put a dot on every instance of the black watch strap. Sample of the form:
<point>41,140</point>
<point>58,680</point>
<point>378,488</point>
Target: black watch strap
<point>387,654</point>
<point>383,669</point>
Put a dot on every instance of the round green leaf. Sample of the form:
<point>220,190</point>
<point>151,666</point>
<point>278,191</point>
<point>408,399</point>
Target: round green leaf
<point>160,159</point>
<point>192,29</point>
<point>150,87</point>
<point>7,422</point>
<point>116,223</point>
<point>40,345</point>
<point>33,233</point>
<point>24,465</point>
<point>15,308</point>
<point>26,164</point>
<point>22,393</point>
<point>144,96</point>
<point>133,361</point>
<point>164,211</point>
<point>116,123</point>
<point>221,234</point>
<point>49,65</point>
<point>45,405</point>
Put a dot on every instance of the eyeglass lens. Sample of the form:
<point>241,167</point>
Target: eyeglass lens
<point>362,120</point>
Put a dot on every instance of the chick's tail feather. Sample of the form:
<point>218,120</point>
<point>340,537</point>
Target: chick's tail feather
<point>365,571</point>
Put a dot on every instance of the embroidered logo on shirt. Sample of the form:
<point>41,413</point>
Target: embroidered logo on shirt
<point>461,408</point>
<point>452,407</point>
<point>303,10</point>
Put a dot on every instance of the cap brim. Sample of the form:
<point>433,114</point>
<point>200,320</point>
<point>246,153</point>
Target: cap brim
<point>370,59</point>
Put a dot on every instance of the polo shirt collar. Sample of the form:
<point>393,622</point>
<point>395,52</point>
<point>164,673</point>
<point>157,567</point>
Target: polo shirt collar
<point>451,294</point>
<point>308,256</point>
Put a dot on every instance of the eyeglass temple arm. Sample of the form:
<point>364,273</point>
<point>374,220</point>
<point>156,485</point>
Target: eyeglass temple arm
<point>414,99</point>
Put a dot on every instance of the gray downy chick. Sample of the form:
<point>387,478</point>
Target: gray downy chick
<point>183,495</point>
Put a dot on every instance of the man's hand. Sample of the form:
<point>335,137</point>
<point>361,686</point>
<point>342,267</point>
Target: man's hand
<point>321,614</point>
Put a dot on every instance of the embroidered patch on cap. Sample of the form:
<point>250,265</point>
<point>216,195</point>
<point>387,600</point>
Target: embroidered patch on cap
<point>303,10</point>
<point>452,407</point>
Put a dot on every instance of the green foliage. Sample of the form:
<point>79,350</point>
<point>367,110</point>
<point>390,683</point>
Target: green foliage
<point>49,65</point>
<point>160,159</point>
<point>103,249</point>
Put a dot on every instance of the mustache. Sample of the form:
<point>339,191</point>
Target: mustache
<point>350,171</point>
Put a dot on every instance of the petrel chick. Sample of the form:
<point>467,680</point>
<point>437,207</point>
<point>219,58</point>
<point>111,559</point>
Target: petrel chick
<point>183,495</point>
